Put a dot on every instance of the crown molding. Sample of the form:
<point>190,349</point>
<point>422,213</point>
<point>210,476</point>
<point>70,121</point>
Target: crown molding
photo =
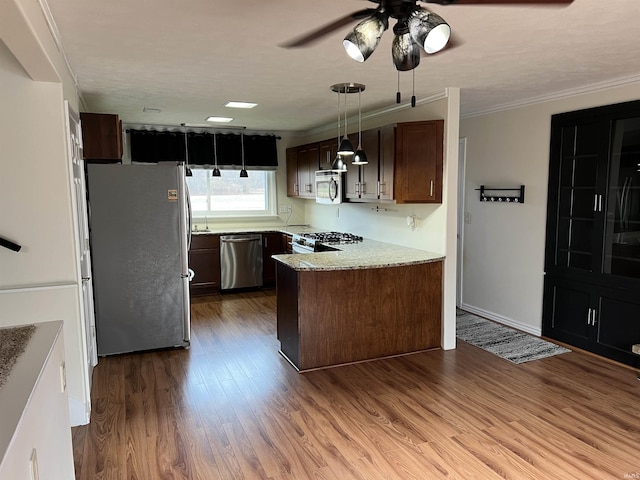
<point>594,87</point>
<point>55,35</point>
<point>383,111</point>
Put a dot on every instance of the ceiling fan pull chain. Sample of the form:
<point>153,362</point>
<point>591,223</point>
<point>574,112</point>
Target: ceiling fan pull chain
<point>413,97</point>
<point>398,96</point>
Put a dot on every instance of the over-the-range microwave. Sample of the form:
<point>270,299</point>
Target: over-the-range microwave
<point>329,186</point>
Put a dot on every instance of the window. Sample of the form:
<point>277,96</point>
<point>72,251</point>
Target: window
<point>231,196</point>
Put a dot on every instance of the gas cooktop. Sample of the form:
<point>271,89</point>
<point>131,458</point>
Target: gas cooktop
<point>332,238</point>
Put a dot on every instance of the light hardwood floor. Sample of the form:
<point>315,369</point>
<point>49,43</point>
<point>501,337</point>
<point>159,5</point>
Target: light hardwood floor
<point>232,408</point>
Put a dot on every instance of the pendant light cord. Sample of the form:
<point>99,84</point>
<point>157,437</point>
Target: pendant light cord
<point>215,150</point>
<point>413,96</point>
<point>345,111</point>
<point>339,119</point>
<point>359,119</point>
<point>186,148</point>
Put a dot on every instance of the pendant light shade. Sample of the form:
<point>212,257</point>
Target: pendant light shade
<point>428,30</point>
<point>216,170</point>
<point>364,38</point>
<point>243,172</point>
<point>404,50</point>
<point>359,158</point>
<point>339,164</point>
<point>346,147</point>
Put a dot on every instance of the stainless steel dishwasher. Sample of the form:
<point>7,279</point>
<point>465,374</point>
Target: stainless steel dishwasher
<point>240,261</point>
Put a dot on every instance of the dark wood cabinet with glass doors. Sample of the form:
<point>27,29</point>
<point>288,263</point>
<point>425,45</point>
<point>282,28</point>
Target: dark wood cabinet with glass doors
<point>592,264</point>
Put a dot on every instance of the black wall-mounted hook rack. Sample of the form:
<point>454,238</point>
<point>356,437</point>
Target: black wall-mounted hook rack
<point>498,197</point>
<point>10,245</point>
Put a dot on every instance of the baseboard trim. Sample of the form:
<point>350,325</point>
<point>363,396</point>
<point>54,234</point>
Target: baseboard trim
<point>79,412</point>
<point>503,320</point>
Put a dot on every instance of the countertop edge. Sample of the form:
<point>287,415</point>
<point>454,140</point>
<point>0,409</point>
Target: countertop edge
<point>303,266</point>
<point>17,392</point>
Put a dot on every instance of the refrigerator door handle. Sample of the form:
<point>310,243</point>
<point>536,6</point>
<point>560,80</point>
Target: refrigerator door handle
<point>189,213</point>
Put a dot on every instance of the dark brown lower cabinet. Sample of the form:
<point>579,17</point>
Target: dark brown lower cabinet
<point>327,318</point>
<point>204,260</point>
<point>599,319</point>
<point>271,245</point>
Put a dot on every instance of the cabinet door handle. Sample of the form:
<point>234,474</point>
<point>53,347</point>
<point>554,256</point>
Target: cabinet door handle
<point>595,202</point>
<point>383,189</point>
<point>599,205</point>
<point>363,188</point>
<point>589,317</point>
<point>431,189</point>
<point>593,317</point>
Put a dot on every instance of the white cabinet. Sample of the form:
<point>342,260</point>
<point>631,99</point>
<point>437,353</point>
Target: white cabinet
<point>35,434</point>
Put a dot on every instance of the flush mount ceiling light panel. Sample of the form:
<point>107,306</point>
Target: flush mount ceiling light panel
<point>417,28</point>
<point>214,119</point>
<point>240,105</point>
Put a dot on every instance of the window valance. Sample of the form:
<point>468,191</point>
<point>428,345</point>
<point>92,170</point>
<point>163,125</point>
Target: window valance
<point>151,146</point>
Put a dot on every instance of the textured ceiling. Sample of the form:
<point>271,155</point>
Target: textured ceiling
<point>189,58</point>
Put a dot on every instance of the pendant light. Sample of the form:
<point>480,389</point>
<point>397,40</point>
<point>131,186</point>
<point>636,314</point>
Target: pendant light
<point>243,172</point>
<point>216,170</point>
<point>360,158</point>
<point>187,170</point>
<point>338,163</point>
<point>346,147</point>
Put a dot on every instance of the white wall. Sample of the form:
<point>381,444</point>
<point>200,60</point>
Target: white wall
<point>41,282</point>
<point>503,260</point>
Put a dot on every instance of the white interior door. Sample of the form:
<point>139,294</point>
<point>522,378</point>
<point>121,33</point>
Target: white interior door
<point>82,232</point>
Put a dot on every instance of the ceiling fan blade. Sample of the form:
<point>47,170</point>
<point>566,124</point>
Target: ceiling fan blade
<point>329,28</point>
<point>499,2</point>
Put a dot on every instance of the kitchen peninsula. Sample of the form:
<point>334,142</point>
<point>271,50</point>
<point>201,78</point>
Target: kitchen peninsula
<point>368,300</point>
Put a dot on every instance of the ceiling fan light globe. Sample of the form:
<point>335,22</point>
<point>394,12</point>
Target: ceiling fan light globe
<point>429,30</point>
<point>437,39</point>
<point>405,52</point>
<point>353,50</point>
<point>361,42</point>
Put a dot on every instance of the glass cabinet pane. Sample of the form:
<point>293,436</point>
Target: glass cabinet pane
<point>622,239</point>
<point>578,181</point>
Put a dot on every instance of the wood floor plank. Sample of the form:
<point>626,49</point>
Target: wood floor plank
<point>231,408</point>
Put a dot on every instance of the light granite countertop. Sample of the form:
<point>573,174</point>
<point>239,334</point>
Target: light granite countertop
<point>354,256</point>
<point>16,392</point>
<point>362,255</point>
<point>230,230</point>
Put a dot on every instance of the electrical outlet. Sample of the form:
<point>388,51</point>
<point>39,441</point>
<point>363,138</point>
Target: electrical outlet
<point>285,208</point>
<point>467,218</point>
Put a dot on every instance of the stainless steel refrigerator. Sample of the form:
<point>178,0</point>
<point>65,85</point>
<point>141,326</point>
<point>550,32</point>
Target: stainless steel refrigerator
<point>139,221</point>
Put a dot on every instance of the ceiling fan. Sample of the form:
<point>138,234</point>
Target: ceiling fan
<point>416,28</point>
